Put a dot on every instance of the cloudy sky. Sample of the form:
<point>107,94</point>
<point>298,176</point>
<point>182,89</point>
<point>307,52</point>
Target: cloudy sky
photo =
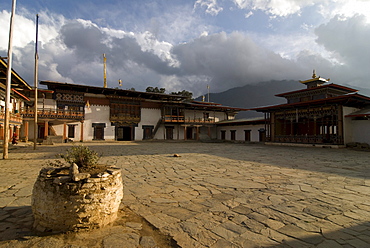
<point>189,44</point>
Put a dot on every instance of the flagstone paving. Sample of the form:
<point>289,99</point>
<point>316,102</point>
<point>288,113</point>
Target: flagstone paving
<point>211,195</point>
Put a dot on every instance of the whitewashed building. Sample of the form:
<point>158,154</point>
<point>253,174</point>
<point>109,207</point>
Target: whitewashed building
<point>242,130</point>
<point>83,113</point>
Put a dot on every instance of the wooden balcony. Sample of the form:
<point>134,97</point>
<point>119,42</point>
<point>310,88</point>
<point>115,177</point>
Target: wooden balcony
<point>15,118</point>
<point>124,118</point>
<point>188,120</point>
<point>310,139</point>
<point>174,118</point>
<point>53,114</point>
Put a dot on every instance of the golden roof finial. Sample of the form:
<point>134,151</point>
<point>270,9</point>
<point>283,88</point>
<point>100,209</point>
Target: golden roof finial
<point>314,74</point>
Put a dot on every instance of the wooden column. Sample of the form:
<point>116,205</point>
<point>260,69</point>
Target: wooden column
<point>291,127</point>
<point>11,132</point>
<point>17,129</point>
<point>197,134</point>
<point>340,131</point>
<point>185,129</point>
<point>82,132</point>
<point>26,126</point>
<point>272,121</point>
<point>178,132</point>
<point>64,131</point>
<point>46,131</point>
<point>1,132</point>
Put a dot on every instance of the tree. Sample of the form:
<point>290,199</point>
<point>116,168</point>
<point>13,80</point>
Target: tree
<point>155,90</point>
<point>186,93</point>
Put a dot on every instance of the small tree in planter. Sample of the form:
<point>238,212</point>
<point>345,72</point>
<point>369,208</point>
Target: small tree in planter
<point>81,195</point>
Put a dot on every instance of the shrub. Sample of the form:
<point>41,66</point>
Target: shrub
<point>82,156</point>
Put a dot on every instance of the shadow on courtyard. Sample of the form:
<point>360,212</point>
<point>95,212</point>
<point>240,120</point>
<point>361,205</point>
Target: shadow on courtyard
<point>16,224</point>
<point>343,162</point>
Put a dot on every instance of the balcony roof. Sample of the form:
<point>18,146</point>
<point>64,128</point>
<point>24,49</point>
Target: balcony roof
<point>110,91</point>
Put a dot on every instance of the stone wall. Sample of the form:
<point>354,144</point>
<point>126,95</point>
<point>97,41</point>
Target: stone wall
<point>61,204</point>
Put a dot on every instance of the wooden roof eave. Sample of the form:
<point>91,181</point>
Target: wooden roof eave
<point>106,91</point>
<point>341,88</point>
<point>349,99</point>
<point>215,108</point>
<point>15,75</point>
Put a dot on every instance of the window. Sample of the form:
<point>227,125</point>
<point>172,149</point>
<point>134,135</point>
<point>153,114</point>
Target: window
<point>233,134</point>
<point>223,134</point>
<point>247,135</point>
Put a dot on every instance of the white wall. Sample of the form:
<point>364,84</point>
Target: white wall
<point>360,131</point>
<point>46,103</point>
<point>239,135</point>
<point>97,114</point>
<point>150,117</point>
<point>348,127</point>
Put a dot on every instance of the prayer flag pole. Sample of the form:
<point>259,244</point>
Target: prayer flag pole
<point>8,85</point>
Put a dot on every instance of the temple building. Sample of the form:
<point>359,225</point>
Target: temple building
<point>18,99</point>
<point>71,112</point>
<point>323,113</point>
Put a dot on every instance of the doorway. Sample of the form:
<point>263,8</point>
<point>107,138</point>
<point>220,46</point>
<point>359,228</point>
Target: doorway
<point>189,133</point>
<point>147,132</point>
<point>124,133</point>
<point>262,135</point>
<point>98,131</point>
<point>169,133</point>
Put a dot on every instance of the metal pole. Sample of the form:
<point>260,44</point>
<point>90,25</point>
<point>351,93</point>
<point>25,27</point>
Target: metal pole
<point>8,85</point>
<point>35,127</point>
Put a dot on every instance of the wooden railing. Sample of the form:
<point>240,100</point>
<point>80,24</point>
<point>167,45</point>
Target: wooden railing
<point>14,117</point>
<point>182,119</point>
<point>310,139</point>
<point>124,118</point>
<point>174,118</point>
<point>53,113</point>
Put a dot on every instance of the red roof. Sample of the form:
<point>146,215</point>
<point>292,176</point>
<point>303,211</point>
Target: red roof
<point>335,86</point>
<point>348,100</point>
<point>200,105</point>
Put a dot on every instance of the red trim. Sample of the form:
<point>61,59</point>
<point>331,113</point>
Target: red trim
<point>21,95</point>
<point>359,115</point>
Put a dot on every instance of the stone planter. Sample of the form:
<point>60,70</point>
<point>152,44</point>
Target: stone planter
<point>63,202</point>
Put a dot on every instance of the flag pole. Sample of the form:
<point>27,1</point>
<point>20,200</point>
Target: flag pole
<point>35,127</point>
<point>8,85</point>
<point>208,91</point>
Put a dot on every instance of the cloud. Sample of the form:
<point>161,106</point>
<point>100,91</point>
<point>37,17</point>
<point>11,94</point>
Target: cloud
<point>327,8</point>
<point>275,8</point>
<point>347,41</point>
<point>71,51</point>
<point>232,60</point>
<point>212,7</point>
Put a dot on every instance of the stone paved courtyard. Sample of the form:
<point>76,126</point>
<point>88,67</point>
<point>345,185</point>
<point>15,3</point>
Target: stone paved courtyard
<point>213,195</point>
